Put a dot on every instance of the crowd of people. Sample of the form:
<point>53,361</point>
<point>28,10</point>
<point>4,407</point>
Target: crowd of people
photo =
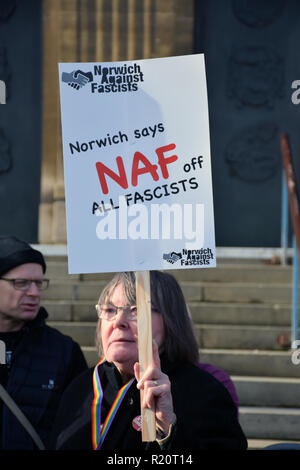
<point>59,403</point>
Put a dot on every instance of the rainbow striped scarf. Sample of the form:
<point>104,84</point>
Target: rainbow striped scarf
<point>99,431</point>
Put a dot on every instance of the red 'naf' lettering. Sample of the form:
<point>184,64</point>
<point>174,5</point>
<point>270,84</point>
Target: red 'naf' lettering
<point>163,162</point>
<point>121,178</point>
<point>148,168</point>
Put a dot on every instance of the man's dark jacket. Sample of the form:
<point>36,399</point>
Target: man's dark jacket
<point>43,365</point>
<point>206,414</point>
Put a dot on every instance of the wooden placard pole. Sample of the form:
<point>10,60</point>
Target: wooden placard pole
<point>143,302</point>
<point>292,187</point>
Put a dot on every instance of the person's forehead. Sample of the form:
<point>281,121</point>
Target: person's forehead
<point>115,291</point>
<point>25,270</point>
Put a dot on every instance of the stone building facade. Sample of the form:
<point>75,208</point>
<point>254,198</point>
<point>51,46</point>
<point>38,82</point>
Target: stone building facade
<point>96,31</point>
<point>252,60</point>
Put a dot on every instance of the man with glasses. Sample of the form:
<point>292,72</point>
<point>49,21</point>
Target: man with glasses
<point>39,361</point>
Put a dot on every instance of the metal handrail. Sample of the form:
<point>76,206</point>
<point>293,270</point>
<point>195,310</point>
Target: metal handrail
<point>294,327</point>
<point>284,220</point>
<point>290,198</point>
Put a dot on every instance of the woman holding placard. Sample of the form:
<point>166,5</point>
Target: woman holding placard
<point>102,408</point>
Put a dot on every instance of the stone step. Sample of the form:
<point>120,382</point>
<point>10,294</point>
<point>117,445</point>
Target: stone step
<point>252,390</point>
<point>225,273</point>
<point>222,273</point>
<point>72,290</point>
<point>224,255</point>
<point>236,362</point>
<point>270,423</point>
<point>193,291</point>
<point>258,422</point>
<point>268,314</point>
<point>252,362</point>
<point>246,292</point>
<point>58,270</point>
<point>91,290</point>
<point>239,310</point>
<point>242,337</point>
<point>90,355</point>
<point>202,312</point>
<point>209,336</point>
<point>268,391</point>
<point>71,310</point>
<point>83,332</point>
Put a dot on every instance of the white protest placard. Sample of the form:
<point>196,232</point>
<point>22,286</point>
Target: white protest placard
<point>137,165</point>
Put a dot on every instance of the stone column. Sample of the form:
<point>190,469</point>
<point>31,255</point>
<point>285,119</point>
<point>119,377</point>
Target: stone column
<point>51,28</point>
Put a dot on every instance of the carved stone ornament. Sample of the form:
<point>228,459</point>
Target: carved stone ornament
<point>7,8</point>
<point>252,155</point>
<point>257,13</point>
<point>255,76</point>
<point>5,155</point>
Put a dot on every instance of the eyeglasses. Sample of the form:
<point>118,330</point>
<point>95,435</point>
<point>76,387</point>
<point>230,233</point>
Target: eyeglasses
<point>110,311</point>
<point>25,284</point>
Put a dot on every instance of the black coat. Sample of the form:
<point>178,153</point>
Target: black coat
<point>206,414</point>
<point>44,363</point>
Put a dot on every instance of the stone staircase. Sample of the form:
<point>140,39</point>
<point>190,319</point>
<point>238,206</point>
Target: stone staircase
<point>242,314</point>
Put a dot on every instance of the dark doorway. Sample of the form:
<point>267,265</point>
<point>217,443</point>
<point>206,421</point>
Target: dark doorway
<point>20,117</point>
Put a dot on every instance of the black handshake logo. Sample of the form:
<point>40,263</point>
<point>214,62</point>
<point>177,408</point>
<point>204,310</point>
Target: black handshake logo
<point>77,79</point>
